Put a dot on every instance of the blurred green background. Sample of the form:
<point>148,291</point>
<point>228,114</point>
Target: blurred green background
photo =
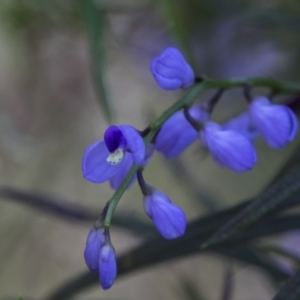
<point>67,70</point>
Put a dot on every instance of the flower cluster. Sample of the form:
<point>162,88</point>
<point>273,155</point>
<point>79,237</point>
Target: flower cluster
<point>100,256</point>
<point>230,145</point>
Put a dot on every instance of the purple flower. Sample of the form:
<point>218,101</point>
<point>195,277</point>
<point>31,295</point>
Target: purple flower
<point>228,148</point>
<point>107,266</point>
<point>169,219</point>
<point>177,133</point>
<point>171,71</point>
<point>244,125</point>
<point>104,159</point>
<point>94,243</point>
<point>277,124</point>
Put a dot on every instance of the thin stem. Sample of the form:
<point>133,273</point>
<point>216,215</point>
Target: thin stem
<point>99,223</point>
<point>277,86</point>
<point>154,127</point>
<point>187,99</point>
<point>145,188</point>
<point>210,103</point>
<point>107,235</point>
<point>247,93</point>
<point>113,202</point>
<point>144,132</point>
<point>198,79</point>
<point>195,124</point>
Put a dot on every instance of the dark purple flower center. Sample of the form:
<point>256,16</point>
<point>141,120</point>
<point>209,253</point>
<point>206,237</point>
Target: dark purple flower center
<point>114,139</point>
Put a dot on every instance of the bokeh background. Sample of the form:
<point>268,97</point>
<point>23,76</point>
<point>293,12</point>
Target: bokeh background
<point>52,106</point>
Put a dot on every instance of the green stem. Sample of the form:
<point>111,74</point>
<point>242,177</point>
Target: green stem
<point>155,126</point>
<point>113,202</point>
<point>187,99</point>
<point>273,84</point>
<point>95,23</point>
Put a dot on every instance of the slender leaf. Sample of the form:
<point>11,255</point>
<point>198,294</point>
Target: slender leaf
<point>270,199</point>
<point>290,290</point>
<point>95,23</point>
<point>249,255</point>
<point>266,227</point>
<point>280,251</point>
<point>293,160</point>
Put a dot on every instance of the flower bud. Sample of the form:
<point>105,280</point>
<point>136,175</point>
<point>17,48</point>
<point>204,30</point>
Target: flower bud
<point>177,133</point>
<point>169,219</point>
<point>107,266</point>
<point>228,148</point>
<point>94,243</point>
<point>171,71</point>
<point>277,124</point>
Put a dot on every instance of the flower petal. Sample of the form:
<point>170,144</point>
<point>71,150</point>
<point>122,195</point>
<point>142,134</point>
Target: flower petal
<point>294,125</point>
<point>117,179</point>
<point>107,266</point>
<point>177,133</point>
<point>135,143</point>
<point>171,71</point>
<point>166,83</point>
<point>95,168</point>
<point>114,139</point>
<point>94,243</point>
<point>229,148</point>
<point>277,124</point>
<point>168,218</point>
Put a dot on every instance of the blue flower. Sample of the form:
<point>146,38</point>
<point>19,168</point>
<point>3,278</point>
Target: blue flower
<point>277,124</point>
<point>94,243</point>
<point>104,159</point>
<point>228,147</point>
<point>244,125</point>
<point>107,266</point>
<point>171,71</point>
<point>177,133</point>
<point>169,219</point>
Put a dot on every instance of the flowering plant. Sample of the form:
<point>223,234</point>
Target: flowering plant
<point>121,156</point>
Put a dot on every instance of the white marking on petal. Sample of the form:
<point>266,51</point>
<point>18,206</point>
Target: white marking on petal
<point>115,157</point>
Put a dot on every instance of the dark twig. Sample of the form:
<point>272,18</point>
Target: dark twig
<point>51,205</point>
